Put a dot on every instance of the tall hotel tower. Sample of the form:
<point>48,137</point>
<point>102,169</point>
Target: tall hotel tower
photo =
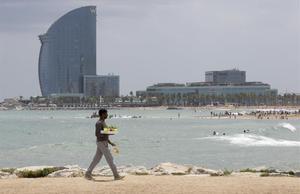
<point>68,52</point>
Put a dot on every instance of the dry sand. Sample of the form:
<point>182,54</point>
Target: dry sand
<point>153,184</point>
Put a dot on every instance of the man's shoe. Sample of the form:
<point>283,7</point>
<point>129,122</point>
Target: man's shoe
<point>119,178</point>
<point>88,177</point>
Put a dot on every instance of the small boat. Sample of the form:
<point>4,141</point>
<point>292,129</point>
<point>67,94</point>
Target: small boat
<point>174,108</point>
<point>94,115</point>
<point>19,108</point>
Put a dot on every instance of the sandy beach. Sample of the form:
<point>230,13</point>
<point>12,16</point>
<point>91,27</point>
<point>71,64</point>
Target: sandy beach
<point>153,184</point>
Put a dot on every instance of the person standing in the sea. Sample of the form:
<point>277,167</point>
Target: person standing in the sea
<point>102,148</point>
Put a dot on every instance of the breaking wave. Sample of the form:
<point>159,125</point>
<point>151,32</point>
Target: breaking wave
<point>286,126</point>
<point>253,140</point>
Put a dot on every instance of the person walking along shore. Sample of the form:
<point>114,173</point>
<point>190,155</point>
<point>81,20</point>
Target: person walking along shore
<point>102,148</point>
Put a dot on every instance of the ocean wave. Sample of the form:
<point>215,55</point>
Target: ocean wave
<point>53,145</point>
<point>253,140</point>
<point>126,117</point>
<point>286,126</point>
<point>80,117</point>
<point>32,147</point>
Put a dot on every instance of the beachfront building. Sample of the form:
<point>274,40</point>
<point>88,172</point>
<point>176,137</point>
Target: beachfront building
<point>68,54</point>
<point>234,76</point>
<point>101,85</point>
<point>206,88</point>
<point>217,83</point>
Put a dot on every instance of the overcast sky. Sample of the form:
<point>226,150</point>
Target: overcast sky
<point>151,41</point>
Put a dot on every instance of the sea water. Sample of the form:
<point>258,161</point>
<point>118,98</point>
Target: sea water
<point>148,137</point>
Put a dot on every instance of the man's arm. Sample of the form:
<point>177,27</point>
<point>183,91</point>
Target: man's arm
<point>97,130</point>
<point>111,143</point>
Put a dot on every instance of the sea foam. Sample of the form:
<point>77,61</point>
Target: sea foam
<point>253,140</point>
<point>287,126</point>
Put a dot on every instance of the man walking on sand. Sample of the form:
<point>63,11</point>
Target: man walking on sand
<point>102,148</point>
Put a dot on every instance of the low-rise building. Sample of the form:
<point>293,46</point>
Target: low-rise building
<point>203,88</point>
<point>227,82</point>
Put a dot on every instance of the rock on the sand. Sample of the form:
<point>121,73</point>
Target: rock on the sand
<point>68,171</point>
<point>200,170</point>
<point>6,175</point>
<point>175,169</point>
<point>134,170</point>
<point>128,169</point>
<point>170,169</point>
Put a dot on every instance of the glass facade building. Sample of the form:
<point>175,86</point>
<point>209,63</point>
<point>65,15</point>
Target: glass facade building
<point>251,88</point>
<point>68,52</point>
<point>101,85</point>
<point>228,82</point>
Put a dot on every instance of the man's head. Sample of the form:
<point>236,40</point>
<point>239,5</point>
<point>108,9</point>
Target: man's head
<point>103,113</point>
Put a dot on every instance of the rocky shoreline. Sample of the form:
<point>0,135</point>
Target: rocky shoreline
<point>159,170</point>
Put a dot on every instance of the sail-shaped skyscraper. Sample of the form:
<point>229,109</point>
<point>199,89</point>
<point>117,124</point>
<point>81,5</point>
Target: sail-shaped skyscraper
<point>68,52</point>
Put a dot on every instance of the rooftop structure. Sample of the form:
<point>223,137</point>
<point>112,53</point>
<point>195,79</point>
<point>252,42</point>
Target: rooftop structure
<point>227,76</point>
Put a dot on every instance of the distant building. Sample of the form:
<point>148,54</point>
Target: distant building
<point>68,52</point>
<point>101,85</point>
<point>227,76</point>
<point>203,88</point>
<point>216,83</point>
<point>67,60</point>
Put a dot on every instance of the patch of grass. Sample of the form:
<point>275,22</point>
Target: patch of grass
<point>264,174</point>
<point>36,174</point>
<point>189,170</point>
<point>9,170</point>
<point>268,171</point>
<point>178,173</point>
<point>262,170</point>
<point>227,172</point>
<point>291,173</point>
<point>248,170</point>
<point>141,173</point>
<point>215,174</point>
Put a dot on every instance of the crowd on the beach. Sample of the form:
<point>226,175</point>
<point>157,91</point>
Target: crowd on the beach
<point>225,114</point>
<point>277,114</point>
<point>259,114</point>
